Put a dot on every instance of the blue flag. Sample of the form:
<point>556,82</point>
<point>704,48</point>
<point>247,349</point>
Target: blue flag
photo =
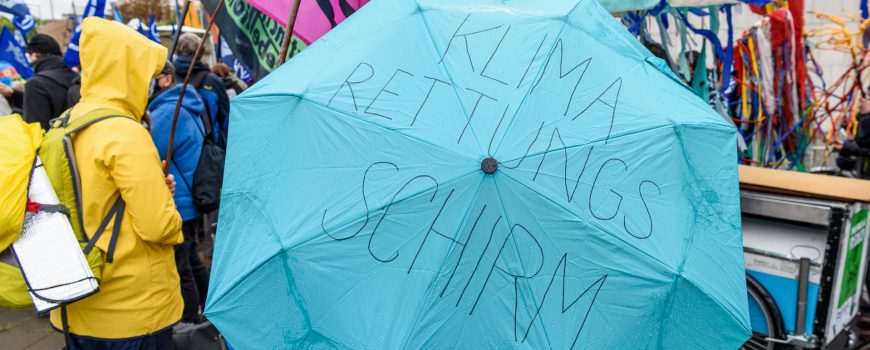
<point>13,52</point>
<point>153,34</point>
<point>93,8</point>
<point>24,24</point>
<point>22,19</point>
<point>15,7</point>
<point>136,23</point>
<point>241,71</point>
<point>864,12</point>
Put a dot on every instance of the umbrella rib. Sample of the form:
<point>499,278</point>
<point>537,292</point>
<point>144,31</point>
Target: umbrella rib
<point>519,256</point>
<point>431,289</point>
<point>541,71</point>
<point>349,292</point>
<point>543,125</point>
<point>677,274</point>
<point>402,199</point>
<point>273,232</point>
<point>714,126</point>
<point>284,249</point>
<point>447,72</point>
<point>349,115</point>
<point>594,224</point>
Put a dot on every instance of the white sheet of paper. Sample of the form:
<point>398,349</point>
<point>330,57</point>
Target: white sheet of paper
<point>50,257</point>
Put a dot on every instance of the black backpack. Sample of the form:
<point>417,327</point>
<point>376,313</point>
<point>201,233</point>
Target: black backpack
<point>209,175</point>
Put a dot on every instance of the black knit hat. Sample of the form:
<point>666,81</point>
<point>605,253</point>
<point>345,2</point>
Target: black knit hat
<point>44,44</point>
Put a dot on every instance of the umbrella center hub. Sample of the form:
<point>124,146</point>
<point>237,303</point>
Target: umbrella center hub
<point>489,165</point>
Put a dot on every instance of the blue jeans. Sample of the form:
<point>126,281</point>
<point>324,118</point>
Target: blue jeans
<point>161,340</point>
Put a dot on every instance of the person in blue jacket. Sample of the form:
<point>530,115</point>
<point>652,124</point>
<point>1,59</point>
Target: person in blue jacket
<point>186,149</point>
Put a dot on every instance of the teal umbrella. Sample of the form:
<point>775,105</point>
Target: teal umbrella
<point>478,174</point>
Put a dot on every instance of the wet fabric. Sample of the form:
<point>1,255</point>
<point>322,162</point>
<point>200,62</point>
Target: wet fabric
<point>139,290</point>
<point>478,175</point>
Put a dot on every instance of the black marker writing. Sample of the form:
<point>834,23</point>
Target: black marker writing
<point>462,251</point>
<point>569,194</point>
<point>349,83</point>
<point>365,202</point>
<point>594,183</point>
<point>387,210</point>
<point>432,229</point>
<point>563,263</point>
<point>473,111</point>
<point>532,61</point>
<point>483,71</point>
<point>428,93</point>
<point>645,206</point>
<point>495,266</point>
<point>384,89</point>
<point>464,36</point>
<point>611,104</point>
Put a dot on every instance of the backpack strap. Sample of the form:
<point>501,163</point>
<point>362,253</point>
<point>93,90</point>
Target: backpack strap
<point>207,129</point>
<point>62,121</point>
<point>117,211</point>
<point>85,121</point>
<point>91,118</point>
<point>198,78</point>
<point>183,179</point>
<point>64,321</point>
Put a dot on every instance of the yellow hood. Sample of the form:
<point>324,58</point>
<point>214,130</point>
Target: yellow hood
<point>117,67</point>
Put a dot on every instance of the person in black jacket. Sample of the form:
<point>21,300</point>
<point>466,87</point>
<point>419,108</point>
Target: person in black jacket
<point>854,155</point>
<point>45,93</point>
<point>202,79</point>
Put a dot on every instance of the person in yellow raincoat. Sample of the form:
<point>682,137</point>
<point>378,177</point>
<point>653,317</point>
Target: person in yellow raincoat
<point>139,298</point>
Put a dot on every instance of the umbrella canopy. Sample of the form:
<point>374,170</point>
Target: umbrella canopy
<point>478,174</point>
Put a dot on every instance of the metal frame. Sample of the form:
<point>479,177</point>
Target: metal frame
<point>820,213</point>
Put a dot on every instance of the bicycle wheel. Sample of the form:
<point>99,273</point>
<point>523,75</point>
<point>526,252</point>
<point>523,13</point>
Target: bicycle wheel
<point>764,316</point>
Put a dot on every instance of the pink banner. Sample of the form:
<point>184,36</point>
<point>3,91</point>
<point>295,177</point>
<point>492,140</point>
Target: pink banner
<point>315,18</point>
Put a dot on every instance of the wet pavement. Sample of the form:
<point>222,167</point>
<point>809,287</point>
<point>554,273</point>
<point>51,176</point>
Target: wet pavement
<point>20,329</point>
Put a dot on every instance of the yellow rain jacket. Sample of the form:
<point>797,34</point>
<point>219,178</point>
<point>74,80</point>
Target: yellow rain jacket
<point>17,152</point>
<point>139,292</point>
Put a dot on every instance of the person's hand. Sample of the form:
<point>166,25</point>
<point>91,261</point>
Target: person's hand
<point>837,145</point>
<point>170,179</point>
<point>170,182</point>
<point>5,90</point>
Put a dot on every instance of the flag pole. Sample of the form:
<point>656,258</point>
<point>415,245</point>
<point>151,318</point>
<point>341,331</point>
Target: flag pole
<point>288,32</point>
<point>179,22</point>
<point>196,56</point>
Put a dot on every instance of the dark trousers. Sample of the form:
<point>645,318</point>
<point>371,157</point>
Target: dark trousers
<point>193,274</point>
<point>158,341</point>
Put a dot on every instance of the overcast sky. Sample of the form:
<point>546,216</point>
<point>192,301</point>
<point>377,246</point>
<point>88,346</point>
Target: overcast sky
<point>43,8</point>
